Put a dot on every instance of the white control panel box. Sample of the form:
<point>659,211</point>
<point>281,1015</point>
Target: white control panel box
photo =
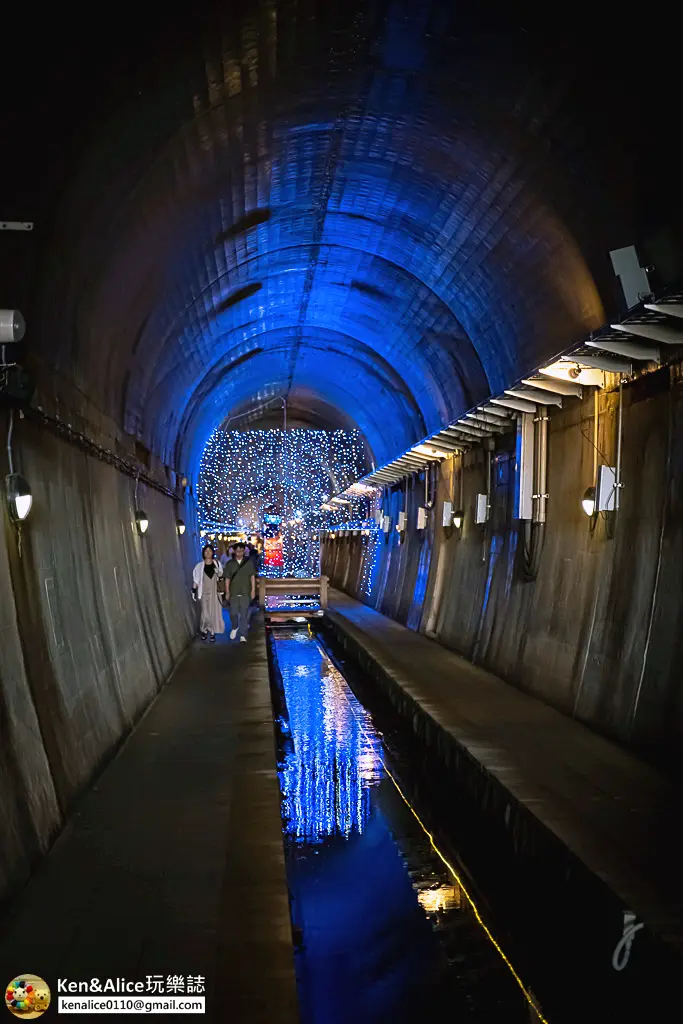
<point>606,489</point>
<point>481,509</point>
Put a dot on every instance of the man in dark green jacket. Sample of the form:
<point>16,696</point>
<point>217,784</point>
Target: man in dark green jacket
<point>240,591</point>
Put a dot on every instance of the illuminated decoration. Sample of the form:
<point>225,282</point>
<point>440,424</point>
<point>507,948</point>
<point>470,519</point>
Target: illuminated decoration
<point>370,530</point>
<point>275,481</point>
<point>273,557</point>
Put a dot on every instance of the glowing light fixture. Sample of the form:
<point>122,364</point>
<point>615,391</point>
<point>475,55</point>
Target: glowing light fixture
<point>19,497</point>
<point>458,518</point>
<point>588,502</point>
<point>180,527</point>
<point>141,521</point>
<point>435,453</point>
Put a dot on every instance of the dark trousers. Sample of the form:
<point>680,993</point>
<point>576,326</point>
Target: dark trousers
<point>239,612</point>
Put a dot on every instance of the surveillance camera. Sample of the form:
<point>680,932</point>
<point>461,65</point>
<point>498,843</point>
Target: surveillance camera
<point>12,326</point>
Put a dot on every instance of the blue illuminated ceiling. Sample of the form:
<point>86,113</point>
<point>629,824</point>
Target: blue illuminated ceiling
<point>353,206</point>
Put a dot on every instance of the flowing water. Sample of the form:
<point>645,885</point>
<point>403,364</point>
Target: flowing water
<point>386,929</point>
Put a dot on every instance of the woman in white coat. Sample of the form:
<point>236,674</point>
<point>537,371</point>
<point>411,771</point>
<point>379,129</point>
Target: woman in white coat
<point>205,577</point>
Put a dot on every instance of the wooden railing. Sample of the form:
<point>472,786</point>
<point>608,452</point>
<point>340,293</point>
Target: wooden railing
<point>289,585</point>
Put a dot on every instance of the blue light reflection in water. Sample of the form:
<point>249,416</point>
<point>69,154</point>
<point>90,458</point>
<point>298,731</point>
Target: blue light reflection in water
<point>386,931</point>
<point>325,782</point>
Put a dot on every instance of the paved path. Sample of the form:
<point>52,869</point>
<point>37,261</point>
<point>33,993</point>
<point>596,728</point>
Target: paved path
<point>173,862</point>
<point>618,815</point>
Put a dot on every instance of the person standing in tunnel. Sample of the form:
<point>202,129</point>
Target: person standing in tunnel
<point>255,556</point>
<point>240,590</point>
<point>205,577</point>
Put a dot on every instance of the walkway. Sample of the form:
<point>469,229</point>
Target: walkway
<point>173,863</point>
<point>617,815</point>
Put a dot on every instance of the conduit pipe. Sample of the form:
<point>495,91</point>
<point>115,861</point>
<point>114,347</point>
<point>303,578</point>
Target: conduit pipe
<point>488,444</point>
<point>617,482</point>
<point>534,530</point>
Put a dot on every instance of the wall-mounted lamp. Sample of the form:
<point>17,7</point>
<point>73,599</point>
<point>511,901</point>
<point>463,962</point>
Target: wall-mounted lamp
<point>458,518</point>
<point>141,521</point>
<point>588,501</point>
<point>19,497</point>
<point>180,527</point>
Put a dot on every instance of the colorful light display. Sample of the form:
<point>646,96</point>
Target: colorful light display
<point>254,478</point>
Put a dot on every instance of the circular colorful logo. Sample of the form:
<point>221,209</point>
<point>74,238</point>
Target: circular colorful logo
<point>27,996</point>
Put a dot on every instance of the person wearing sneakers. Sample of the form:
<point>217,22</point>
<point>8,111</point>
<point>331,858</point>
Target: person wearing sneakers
<point>240,590</point>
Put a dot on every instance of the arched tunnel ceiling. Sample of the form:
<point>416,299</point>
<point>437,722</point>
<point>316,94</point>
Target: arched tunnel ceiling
<point>381,209</point>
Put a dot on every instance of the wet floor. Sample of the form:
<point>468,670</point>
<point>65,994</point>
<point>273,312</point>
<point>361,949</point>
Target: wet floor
<point>386,931</point>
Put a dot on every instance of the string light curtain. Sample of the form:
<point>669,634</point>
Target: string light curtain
<point>249,475</point>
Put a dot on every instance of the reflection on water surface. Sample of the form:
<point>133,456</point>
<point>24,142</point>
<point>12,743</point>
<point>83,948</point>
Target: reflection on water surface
<point>387,932</point>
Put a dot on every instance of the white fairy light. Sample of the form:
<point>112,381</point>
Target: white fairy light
<point>245,475</point>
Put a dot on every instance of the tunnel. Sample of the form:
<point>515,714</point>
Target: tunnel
<point>229,230</point>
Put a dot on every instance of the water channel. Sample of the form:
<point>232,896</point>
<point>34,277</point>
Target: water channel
<point>386,927</point>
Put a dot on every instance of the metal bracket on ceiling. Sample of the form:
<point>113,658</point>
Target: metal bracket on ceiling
<point>655,332</point>
<point>603,362</point>
<point>640,351</point>
<point>16,225</point>
<point>516,404</point>
<point>536,396</point>
<point>560,387</point>
<point>669,308</point>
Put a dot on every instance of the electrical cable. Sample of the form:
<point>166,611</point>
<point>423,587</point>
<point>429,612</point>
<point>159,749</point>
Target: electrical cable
<point>452,871</point>
<point>79,440</point>
<point>10,432</point>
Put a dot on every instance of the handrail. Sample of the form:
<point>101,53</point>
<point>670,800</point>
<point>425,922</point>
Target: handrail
<point>293,585</point>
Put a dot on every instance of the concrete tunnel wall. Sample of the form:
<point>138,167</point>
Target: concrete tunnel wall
<point>93,618</point>
<point>598,634</point>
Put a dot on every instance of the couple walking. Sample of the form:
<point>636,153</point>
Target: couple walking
<point>239,577</point>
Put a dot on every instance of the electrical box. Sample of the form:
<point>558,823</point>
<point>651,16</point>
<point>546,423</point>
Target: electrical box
<point>632,277</point>
<point>447,519</point>
<point>421,518</point>
<point>524,467</point>
<point>606,489</point>
<point>481,509</point>
<point>386,523</point>
<point>402,517</point>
